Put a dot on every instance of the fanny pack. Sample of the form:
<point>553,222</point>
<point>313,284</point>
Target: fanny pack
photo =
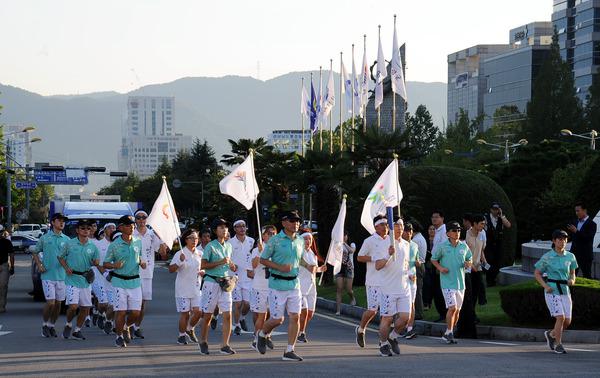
<point>112,274</point>
<point>226,283</point>
<point>285,278</point>
<point>88,275</point>
<point>558,283</point>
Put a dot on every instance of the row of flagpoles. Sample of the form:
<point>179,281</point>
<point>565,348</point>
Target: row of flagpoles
<point>316,107</point>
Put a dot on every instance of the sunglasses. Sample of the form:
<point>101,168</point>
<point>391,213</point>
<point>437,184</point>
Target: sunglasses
<point>141,217</point>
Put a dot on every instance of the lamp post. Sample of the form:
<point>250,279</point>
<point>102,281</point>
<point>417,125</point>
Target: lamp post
<point>592,135</point>
<point>506,146</point>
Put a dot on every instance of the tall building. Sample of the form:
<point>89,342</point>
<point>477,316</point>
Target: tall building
<point>578,25</point>
<point>510,75</point>
<point>149,136</point>
<point>20,146</point>
<point>289,140</point>
<point>467,79</point>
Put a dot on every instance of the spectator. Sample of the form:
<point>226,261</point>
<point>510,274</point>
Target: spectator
<point>7,266</point>
<point>467,222</point>
<point>437,219</point>
<point>477,245</point>
<point>422,244</point>
<point>430,275</point>
<point>496,223</point>
<point>583,230</point>
<point>344,278</point>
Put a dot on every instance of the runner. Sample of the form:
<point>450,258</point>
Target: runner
<point>45,256</point>
<point>308,284</point>
<point>101,287</point>
<point>259,296</point>
<point>218,281</point>
<point>413,264</point>
<point>558,266</point>
<point>123,257</point>
<point>241,250</point>
<point>186,263</point>
<point>374,245</point>
<point>88,318</point>
<point>451,258</point>
<point>77,258</point>
<point>151,244</point>
<point>282,257</point>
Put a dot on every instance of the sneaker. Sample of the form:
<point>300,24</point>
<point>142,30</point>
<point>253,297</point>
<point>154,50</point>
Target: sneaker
<point>108,327</point>
<point>360,338</point>
<point>77,335</point>
<point>410,334</point>
<point>394,345</point>
<point>338,313</point>
<point>261,344</point>
<point>203,348</point>
<point>226,350</point>
<point>253,346</point>
<point>551,341</point>
<point>87,322</point>
<point>138,333</point>
<point>95,318</point>
<point>120,342</point>
<point>302,338</point>
<point>270,343</point>
<point>127,335</point>
<point>192,335</point>
<point>182,340</point>
<point>100,322</point>
<point>450,336</point>
<point>446,338</point>
<point>66,332</point>
<point>213,323</point>
<point>52,332</point>
<point>237,330</point>
<point>243,325</point>
<point>353,302</point>
<point>403,333</point>
<point>559,349</point>
<point>291,356</point>
<point>385,350</point>
<point>45,331</point>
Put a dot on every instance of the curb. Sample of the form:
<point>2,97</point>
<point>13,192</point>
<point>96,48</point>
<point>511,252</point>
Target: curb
<point>484,332</point>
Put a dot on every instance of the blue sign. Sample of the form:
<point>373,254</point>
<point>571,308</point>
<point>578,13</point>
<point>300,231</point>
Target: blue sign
<point>26,185</point>
<point>66,177</point>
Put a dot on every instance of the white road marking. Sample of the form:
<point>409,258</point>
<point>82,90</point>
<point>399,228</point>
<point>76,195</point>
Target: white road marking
<point>342,321</point>
<point>498,343</point>
<point>2,333</point>
<point>581,350</point>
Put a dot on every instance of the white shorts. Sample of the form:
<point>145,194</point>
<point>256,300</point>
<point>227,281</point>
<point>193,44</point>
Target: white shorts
<point>559,305</point>
<point>213,295</point>
<point>81,296</point>
<point>54,290</point>
<point>373,298</point>
<point>240,293</point>
<point>146,289</point>
<point>392,304</point>
<point>259,300</point>
<point>187,304</point>
<point>453,298</point>
<point>127,299</point>
<point>110,294</point>
<point>309,299</point>
<point>282,300</point>
<point>100,291</point>
<point>413,290</point>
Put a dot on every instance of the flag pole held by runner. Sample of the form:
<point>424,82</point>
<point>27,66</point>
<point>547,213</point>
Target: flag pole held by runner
<point>167,229</point>
<point>336,246</point>
<point>259,237</point>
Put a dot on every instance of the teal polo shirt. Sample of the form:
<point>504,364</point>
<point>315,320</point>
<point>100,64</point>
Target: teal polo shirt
<point>557,267</point>
<point>129,253</point>
<point>412,258</point>
<point>454,259</point>
<point>213,252</point>
<point>283,250</point>
<point>51,245</point>
<point>79,257</point>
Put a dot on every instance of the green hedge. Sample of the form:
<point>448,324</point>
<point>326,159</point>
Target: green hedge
<point>524,303</point>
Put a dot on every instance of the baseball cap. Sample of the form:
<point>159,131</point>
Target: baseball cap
<point>495,205</point>
<point>58,216</point>
<point>453,226</point>
<point>126,220</point>
<point>559,234</point>
<point>84,222</point>
<point>218,222</point>
<point>290,215</point>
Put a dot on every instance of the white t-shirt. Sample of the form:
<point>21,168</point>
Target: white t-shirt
<point>307,279</point>
<point>259,282</point>
<point>188,282</point>
<point>394,276</point>
<point>102,246</point>
<point>440,236</point>
<point>422,244</point>
<point>476,245</point>
<point>150,245</point>
<point>240,255</point>
<point>372,246</point>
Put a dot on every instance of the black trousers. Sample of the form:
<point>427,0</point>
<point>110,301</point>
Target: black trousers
<point>438,297</point>
<point>479,295</point>
<point>493,256</point>
<point>466,321</point>
<point>585,265</point>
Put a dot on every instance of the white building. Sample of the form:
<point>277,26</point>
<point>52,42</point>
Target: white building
<point>289,140</point>
<point>20,146</point>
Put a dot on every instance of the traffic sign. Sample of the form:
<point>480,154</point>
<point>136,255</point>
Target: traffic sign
<point>26,184</point>
<point>66,177</point>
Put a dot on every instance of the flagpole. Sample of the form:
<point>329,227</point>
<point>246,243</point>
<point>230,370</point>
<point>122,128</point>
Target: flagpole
<point>302,118</point>
<point>329,250</point>
<point>320,108</point>
<point>341,105</point>
<point>311,131</point>
<point>259,237</point>
<point>379,107</point>
<point>397,182</point>
<point>330,113</point>
<point>364,106</point>
<point>172,209</point>
<point>393,93</point>
<point>353,89</point>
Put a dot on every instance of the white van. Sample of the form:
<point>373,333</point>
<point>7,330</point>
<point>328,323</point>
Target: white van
<point>33,230</point>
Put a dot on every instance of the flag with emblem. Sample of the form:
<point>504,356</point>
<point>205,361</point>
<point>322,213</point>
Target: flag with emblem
<point>385,193</point>
<point>163,217</point>
<point>241,183</point>
<point>336,247</point>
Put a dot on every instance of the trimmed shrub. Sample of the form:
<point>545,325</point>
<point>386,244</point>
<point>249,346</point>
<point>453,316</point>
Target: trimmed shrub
<point>524,303</point>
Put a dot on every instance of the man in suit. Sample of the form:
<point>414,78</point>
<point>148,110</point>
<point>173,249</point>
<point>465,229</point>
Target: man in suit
<point>583,230</point>
<point>496,223</point>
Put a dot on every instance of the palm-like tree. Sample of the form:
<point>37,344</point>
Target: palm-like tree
<point>375,148</point>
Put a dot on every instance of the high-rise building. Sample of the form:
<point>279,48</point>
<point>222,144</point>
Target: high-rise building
<point>578,25</point>
<point>20,146</point>
<point>289,140</point>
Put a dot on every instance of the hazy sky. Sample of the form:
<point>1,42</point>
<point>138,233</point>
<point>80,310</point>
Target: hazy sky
<point>80,46</point>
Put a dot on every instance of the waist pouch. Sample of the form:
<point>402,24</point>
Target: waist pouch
<point>88,275</point>
<point>558,283</point>
<point>112,274</point>
<point>226,283</point>
<point>285,278</point>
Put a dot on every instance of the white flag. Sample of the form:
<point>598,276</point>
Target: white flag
<point>304,103</point>
<point>241,183</point>
<point>398,85</point>
<point>329,99</point>
<point>320,99</point>
<point>163,217</point>
<point>385,193</point>
<point>357,107</point>
<point>336,247</point>
<point>347,88</point>
<point>364,81</point>
<point>379,76</point>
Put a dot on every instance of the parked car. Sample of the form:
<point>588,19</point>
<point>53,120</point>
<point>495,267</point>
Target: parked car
<point>23,242</point>
<point>33,230</point>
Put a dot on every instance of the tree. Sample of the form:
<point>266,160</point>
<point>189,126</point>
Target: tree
<point>423,135</point>
<point>554,105</point>
<point>124,187</point>
<point>592,106</point>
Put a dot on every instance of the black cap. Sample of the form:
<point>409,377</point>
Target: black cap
<point>218,222</point>
<point>495,205</point>
<point>453,226</point>
<point>84,222</point>
<point>290,215</point>
<point>559,234</point>
<point>126,220</point>
<point>58,216</point>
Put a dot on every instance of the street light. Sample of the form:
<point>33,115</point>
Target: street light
<point>592,135</point>
<point>506,146</point>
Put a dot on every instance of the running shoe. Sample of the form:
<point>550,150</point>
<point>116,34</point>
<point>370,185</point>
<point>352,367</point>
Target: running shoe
<point>213,323</point>
<point>559,349</point>
<point>100,322</point>
<point>138,334</point>
<point>410,334</point>
<point>66,332</point>
<point>87,321</point>
<point>243,325</point>
<point>52,331</point>
<point>237,330</point>
<point>261,344</point>
<point>270,343</point>
<point>120,342</point>
<point>108,327</point>
<point>203,348</point>
<point>192,335</point>
<point>253,346</point>
<point>291,356</point>
<point>95,318</point>
<point>360,337</point>
<point>182,340</point>
<point>45,331</point>
<point>302,338</point>
<point>77,335</point>
<point>226,350</point>
<point>551,341</point>
<point>127,335</point>
<point>385,350</point>
<point>452,339</point>
<point>353,302</point>
<point>446,338</point>
<point>394,345</point>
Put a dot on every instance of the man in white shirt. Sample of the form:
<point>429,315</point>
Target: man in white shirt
<point>421,243</point>
<point>437,220</point>
<point>373,246</point>
<point>151,244</point>
<point>242,250</point>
